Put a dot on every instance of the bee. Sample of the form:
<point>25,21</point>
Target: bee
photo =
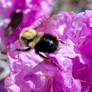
<point>41,42</point>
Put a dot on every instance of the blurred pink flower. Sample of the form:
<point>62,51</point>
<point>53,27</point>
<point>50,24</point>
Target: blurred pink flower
<point>29,73</point>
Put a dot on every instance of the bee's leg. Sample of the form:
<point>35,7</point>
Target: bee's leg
<point>58,40</point>
<point>61,41</point>
<point>47,59</point>
<point>23,50</point>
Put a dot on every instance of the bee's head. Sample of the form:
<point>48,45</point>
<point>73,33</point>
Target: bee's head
<point>27,36</point>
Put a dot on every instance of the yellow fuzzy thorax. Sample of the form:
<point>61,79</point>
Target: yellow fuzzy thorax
<point>36,40</point>
<point>30,34</point>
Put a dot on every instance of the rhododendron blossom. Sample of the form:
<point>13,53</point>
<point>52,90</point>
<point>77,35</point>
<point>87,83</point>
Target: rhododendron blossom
<point>30,73</point>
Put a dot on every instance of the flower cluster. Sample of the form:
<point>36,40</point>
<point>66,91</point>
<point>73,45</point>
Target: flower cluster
<point>30,73</point>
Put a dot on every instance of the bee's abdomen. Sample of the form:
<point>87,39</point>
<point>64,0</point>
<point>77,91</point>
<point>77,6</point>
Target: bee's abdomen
<point>48,43</point>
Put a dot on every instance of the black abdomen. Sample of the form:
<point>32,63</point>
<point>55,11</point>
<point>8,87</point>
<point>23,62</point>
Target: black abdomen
<point>48,43</point>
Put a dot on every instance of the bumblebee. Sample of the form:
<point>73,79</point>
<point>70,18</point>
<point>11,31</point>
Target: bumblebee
<point>41,42</point>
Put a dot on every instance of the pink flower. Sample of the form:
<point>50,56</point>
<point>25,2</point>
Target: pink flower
<point>30,73</point>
